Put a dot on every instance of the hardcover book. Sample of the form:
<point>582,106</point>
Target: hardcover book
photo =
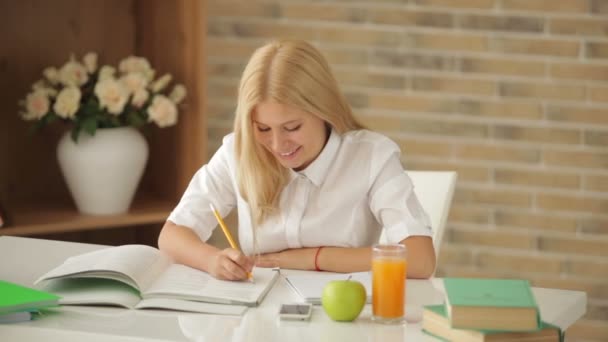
<point>435,322</point>
<point>493,304</point>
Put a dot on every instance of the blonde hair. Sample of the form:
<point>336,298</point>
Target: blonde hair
<point>293,73</point>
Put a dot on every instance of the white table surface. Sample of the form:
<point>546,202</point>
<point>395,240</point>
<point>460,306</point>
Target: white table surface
<point>23,260</point>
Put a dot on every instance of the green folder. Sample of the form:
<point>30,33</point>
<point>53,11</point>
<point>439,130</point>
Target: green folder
<point>16,298</point>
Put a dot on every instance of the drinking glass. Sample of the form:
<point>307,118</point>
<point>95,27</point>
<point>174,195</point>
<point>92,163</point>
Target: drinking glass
<point>389,272</point>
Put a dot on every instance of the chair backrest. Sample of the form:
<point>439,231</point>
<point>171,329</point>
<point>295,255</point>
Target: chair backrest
<point>434,190</point>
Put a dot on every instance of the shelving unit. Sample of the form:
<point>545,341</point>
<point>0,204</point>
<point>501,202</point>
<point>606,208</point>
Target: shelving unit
<point>38,34</point>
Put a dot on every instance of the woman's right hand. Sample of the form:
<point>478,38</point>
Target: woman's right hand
<point>230,264</point>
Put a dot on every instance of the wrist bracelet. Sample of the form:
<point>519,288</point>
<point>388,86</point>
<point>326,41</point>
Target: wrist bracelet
<point>317,259</point>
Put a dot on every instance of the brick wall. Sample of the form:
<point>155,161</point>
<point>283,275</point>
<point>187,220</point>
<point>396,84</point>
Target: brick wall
<point>512,94</point>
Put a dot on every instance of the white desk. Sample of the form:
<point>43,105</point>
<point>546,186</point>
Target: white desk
<point>23,260</point>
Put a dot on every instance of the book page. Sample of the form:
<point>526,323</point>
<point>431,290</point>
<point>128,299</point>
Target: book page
<point>90,291</point>
<point>179,281</point>
<point>191,306</point>
<point>135,265</point>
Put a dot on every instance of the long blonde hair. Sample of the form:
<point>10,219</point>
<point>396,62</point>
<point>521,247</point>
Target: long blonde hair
<point>293,73</point>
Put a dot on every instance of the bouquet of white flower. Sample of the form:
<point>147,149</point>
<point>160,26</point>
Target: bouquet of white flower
<point>93,98</point>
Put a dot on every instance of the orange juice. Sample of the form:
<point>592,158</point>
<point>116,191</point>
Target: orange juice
<point>389,272</point>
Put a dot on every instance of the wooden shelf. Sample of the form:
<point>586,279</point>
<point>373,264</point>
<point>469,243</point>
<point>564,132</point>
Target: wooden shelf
<point>63,218</point>
<point>170,34</point>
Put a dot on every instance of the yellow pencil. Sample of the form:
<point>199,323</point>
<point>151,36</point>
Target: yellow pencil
<point>227,233</point>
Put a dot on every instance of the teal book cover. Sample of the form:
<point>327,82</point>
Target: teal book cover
<point>15,298</point>
<point>505,304</point>
<point>489,292</point>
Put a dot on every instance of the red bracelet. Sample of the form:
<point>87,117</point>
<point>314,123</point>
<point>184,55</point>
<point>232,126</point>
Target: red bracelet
<point>317,259</point>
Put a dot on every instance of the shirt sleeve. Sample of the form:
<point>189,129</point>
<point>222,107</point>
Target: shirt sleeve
<point>212,183</point>
<point>393,201</point>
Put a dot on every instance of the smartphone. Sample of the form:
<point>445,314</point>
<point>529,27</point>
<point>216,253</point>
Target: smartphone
<point>295,312</point>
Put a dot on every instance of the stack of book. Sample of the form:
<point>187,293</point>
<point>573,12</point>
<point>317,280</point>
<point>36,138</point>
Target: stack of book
<point>18,303</point>
<point>488,310</point>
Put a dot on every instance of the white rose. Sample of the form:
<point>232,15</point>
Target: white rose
<point>162,111</point>
<point>134,81</point>
<point>138,65</point>
<point>106,72</point>
<point>42,85</point>
<point>112,95</point>
<point>73,73</point>
<point>51,74</point>
<point>178,93</point>
<point>140,97</point>
<point>38,85</point>
<point>68,102</point>
<point>90,62</point>
<point>37,104</point>
<point>161,83</point>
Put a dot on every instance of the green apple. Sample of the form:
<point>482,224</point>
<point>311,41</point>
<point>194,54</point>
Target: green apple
<point>343,300</point>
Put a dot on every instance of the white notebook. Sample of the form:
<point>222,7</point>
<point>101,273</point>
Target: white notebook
<point>310,286</point>
<point>138,276</point>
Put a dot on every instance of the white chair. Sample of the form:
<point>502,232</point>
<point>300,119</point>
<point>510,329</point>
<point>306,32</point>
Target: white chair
<point>434,190</point>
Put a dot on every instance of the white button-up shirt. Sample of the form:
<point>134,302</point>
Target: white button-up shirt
<point>355,188</point>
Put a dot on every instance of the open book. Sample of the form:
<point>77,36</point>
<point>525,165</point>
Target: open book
<point>139,276</point>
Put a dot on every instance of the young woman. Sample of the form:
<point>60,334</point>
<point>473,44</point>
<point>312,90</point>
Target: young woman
<point>313,188</point>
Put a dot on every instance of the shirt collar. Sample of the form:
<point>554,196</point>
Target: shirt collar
<point>317,170</point>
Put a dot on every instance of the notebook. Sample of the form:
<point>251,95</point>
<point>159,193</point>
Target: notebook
<point>310,286</point>
<point>139,276</point>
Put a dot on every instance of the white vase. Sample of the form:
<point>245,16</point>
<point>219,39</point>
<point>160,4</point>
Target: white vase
<point>102,171</point>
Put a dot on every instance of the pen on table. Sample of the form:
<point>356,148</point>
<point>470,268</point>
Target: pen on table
<point>227,233</point>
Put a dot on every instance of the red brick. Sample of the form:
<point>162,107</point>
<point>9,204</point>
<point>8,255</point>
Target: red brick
<point>492,239</point>
<point>449,41</point>
<point>536,178</point>
<point>501,23</point>
<point>598,50</point>
<point>537,90</point>
<point>573,246</point>
<point>457,85</point>
<point>580,159</point>
<point>537,134</point>
<point>493,197</point>
<point>573,203</point>
<point>407,17</point>
<point>497,153</point>
<point>542,47</point>
<point>482,4</point>
<point>578,114</point>
<point>547,6</point>
<point>587,26</point>
<point>503,66</point>
<point>579,71</point>
<point>501,109</point>
<point>534,221</point>
<point>324,12</point>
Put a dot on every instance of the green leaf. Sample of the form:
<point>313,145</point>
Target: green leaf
<point>135,119</point>
<point>75,132</point>
<point>89,124</point>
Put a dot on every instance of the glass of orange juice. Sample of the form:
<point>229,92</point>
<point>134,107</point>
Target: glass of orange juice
<point>389,271</point>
